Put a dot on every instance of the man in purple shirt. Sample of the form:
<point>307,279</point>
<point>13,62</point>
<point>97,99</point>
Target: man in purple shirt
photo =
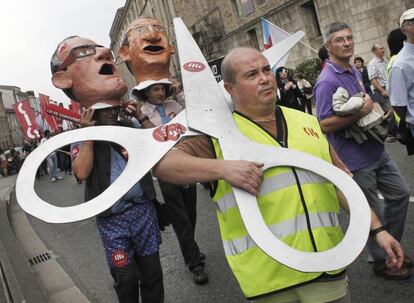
<point>371,166</point>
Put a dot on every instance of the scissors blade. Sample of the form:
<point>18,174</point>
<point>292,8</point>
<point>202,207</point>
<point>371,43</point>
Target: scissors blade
<point>206,108</point>
<point>279,50</point>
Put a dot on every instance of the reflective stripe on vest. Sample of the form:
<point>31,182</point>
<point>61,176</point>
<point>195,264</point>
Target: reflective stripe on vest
<point>283,229</point>
<point>285,203</point>
<point>273,184</point>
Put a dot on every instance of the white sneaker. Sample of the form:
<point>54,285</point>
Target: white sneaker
<point>53,179</point>
<point>59,177</point>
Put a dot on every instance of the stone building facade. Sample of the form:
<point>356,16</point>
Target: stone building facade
<point>220,25</point>
<point>11,95</point>
<point>13,135</point>
<point>5,134</point>
<point>16,133</point>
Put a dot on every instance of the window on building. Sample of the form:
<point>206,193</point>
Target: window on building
<point>247,7</point>
<point>310,19</point>
<point>253,41</point>
<point>235,8</point>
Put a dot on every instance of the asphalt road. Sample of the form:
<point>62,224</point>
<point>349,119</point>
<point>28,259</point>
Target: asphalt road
<point>78,249</point>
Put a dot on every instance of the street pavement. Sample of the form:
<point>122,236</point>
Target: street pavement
<point>77,247</point>
<point>6,184</point>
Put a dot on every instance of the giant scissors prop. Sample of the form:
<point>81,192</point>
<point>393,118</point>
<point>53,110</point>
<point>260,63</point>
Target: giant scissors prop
<point>205,106</point>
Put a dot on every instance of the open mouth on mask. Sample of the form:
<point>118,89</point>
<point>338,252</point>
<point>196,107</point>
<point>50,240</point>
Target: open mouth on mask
<point>154,48</point>
<point>106,69</point>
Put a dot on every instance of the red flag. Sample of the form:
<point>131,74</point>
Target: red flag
<point>44,101</point>
<point>26,118</point>
<point>63,113</point>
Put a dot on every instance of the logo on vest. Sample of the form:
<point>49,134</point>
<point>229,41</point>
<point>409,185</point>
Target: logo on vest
<point>310,132</point>
<point>119,258</point>
<point>170,132</point>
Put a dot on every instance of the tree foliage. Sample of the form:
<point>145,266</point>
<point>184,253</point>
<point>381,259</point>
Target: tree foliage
<point>310,69</point>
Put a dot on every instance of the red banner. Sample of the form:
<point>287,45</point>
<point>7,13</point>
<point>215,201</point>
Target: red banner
<point>44,101</point>
<point>75,106</point>
<point>63,113</point>
<point>26,118</point>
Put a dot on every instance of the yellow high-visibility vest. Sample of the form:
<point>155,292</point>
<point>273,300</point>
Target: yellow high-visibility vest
<point>299,207</point>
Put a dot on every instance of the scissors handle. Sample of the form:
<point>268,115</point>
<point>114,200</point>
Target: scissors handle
<point>336,258</point>
<point>144,151</point>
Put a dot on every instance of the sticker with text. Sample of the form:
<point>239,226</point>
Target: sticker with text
<point>170,132</point>
<point>119,258</point>
<point>194,66</point>
<point>310,132</point>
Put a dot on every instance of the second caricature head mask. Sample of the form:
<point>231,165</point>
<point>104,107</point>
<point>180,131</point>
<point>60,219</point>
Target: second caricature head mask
<point>146,50</point>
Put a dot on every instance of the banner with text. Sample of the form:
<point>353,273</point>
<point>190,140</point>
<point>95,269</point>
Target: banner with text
<point>63,113</point>
<point>51,122</point>
<point>27,120</point>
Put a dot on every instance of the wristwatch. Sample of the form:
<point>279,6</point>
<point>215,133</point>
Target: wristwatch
<point>374,232</point>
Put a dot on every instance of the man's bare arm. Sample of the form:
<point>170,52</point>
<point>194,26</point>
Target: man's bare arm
<point>181,168</point>
<point>384,239</point>
<point>388,243</point>
<point>337,161</point>
<point>134,107</point>
<point>377,85</point>
<point>83,164</point>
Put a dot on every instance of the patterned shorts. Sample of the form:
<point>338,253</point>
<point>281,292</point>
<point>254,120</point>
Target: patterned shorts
<point>134,232</point>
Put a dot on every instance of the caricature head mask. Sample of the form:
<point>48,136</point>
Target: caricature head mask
<point>86,72</point>
<point>146,50</point>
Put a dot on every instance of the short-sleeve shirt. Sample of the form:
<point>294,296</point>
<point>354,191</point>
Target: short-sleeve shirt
<point>118,164</point>
<point>171,107</point>
<point>401,81</point>
<point>377,68</point>
<point>355,156</point>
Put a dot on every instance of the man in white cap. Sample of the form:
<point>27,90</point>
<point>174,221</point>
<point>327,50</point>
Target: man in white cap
<point>146,51</point>
<point>129,230</point>
<point>401,79</point>
<point>181,200</point>
<point>157,107</point>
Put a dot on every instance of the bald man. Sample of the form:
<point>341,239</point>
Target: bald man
<point>302,213</point>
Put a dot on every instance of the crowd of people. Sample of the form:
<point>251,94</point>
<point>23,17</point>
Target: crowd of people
<point>12,159</point>
<point>354,109</point>
<point>10,162</point>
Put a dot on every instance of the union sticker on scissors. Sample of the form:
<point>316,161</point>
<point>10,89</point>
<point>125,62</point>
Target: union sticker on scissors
<point>194,66</point>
